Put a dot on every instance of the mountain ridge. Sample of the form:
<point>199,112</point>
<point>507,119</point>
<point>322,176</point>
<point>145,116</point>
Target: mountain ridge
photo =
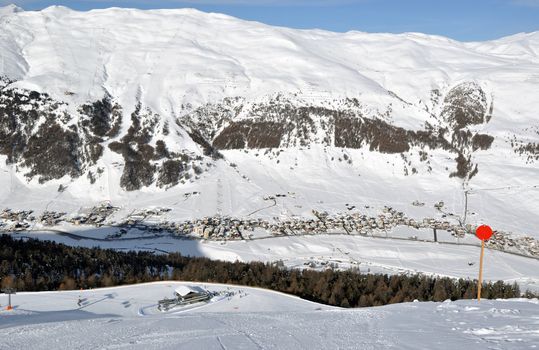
<point>14,9</point>
<point>126,100</point>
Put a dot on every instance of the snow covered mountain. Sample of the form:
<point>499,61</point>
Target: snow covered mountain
<point>140,107</point>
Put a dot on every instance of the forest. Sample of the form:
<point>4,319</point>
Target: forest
<point>34,265</point>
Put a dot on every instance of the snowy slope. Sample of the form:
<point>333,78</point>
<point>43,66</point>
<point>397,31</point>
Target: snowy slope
<point>175,54</point>
<point>172,57</point>
<point>207,114</point>
<point>185,75</point>
<point>259,319</point>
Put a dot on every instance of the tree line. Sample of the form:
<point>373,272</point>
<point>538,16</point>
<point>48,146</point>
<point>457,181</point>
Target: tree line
<point>34,265</point>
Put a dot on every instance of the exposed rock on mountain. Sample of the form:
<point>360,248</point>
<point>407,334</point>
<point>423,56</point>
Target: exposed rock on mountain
<point>127,105</point>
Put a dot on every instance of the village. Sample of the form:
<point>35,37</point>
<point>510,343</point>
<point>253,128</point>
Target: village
<point>225,228</point>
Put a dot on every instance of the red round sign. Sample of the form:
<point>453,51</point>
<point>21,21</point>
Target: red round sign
<point>483,232</point>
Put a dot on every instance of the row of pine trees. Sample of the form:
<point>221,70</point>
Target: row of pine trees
<point>33,265</point>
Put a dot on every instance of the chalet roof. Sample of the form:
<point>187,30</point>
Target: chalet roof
<point>186,290</point>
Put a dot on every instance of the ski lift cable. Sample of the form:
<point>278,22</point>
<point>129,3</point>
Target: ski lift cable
<point>521,187</point>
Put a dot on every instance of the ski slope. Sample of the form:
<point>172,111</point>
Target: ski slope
<point>126,317</point>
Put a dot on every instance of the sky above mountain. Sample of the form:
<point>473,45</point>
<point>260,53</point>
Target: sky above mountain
<point>458,19</point>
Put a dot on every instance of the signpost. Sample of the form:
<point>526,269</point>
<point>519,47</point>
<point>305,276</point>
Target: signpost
<point>483,232</point>
<point>9,291</point>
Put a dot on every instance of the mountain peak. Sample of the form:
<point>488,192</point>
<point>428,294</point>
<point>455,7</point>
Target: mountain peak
<point>57,9</point>
<point>9,9</point>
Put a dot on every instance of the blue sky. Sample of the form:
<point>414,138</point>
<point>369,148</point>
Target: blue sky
<point>465,20</point>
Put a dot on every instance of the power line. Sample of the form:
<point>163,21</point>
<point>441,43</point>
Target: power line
<point>522,187</point>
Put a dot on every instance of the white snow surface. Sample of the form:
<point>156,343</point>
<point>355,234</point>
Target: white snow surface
<point>127,317</point>
<point>169,58</point>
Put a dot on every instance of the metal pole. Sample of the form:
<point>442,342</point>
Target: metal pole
<point>9,291</point>
<point>480,271</point>
<point>435,235</point>
<point>465,207</point>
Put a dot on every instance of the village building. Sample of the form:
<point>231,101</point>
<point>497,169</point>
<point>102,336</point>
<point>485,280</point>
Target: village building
<point>191,294</point>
